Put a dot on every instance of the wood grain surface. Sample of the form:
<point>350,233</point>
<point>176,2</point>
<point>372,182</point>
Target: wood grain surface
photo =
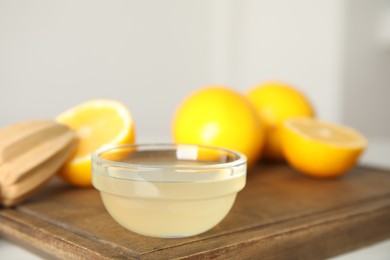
<point>280,214</point>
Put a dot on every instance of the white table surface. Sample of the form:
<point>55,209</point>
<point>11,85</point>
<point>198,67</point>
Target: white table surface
<point>378,154</point>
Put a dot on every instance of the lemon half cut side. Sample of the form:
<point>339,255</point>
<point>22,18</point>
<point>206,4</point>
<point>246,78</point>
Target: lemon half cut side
<point>319,148</point>
<point>96,123</point>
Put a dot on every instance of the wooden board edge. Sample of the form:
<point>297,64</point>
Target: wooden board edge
<point>46,240</point>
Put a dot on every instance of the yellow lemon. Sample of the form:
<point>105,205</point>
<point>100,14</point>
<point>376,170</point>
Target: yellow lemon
<point>96,123</point>
<point>274,103</point>
<point>219,116</point>
<point>319,148</point>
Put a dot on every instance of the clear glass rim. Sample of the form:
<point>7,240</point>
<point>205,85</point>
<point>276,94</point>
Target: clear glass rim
<point>240,158</point>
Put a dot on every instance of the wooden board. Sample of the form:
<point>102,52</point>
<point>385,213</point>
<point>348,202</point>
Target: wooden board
<point>279,214</point>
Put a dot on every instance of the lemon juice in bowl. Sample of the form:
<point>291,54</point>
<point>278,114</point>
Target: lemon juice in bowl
<point>168,190</point>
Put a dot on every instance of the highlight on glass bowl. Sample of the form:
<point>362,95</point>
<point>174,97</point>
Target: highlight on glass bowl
<point>168,190</point>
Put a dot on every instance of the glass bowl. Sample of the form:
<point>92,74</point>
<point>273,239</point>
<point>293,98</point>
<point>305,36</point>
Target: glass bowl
<point>168,190</point>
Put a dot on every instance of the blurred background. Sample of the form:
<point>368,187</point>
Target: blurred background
<point>151,54</point>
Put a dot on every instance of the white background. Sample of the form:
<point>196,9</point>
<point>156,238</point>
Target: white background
<point>151,54</point>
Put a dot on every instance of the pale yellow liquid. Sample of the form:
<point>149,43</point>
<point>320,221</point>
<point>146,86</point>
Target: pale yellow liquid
<point>168,209</point>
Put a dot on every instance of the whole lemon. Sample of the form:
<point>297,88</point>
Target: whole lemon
<point>275,102</point>
<point>219,116</point>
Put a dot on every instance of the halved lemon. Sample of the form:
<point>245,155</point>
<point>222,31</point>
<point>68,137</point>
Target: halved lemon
<point>321,149</point>
<point>96,123</point>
